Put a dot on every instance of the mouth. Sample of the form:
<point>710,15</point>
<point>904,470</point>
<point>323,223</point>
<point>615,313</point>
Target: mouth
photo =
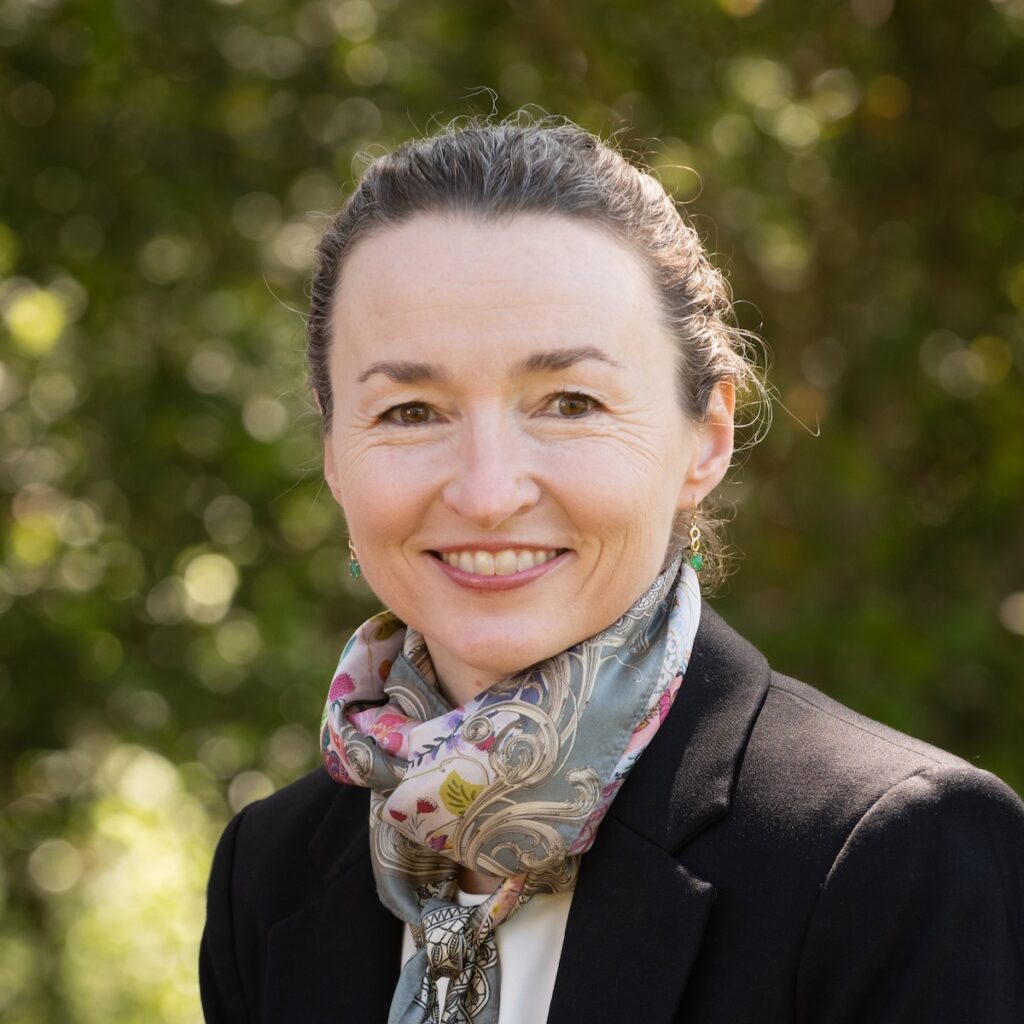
<point>504,562</point>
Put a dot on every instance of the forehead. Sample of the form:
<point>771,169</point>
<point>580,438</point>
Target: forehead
<point>442,277</point>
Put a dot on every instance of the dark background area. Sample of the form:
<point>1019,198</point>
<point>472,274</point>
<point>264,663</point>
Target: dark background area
<point>173,592</point>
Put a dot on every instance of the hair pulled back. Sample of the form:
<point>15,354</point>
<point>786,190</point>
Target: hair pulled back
<point>492,170</point>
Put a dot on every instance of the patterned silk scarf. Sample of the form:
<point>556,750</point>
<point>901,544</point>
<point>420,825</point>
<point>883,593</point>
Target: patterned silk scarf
<point>514,783</point>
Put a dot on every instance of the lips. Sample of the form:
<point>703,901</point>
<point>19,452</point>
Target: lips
<point>505,562</point>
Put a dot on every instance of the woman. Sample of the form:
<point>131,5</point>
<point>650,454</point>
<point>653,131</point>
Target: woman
<point>558,785</point>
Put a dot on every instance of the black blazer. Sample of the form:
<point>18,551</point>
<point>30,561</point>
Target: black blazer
<point>774,857</point>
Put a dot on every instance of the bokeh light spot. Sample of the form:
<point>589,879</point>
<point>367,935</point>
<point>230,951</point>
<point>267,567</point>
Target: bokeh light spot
<point>55,866</point>
<point>36,320</point>
<point>247,787</point>
<point>796,127</point>
<point>366,65</point>
<point>52,395</point>
<point>834,94</point>
<point>33,540</point>
<point>256,216</point>
<point>1011,612</point>
<point>733,135</point>
<point>211,368</point>
<point>142,778</point>
<point>292,247</point>
<point>740,8</point>
<point>222,755</point>
<point>1011,8</point>
<point>355,20</point>
<point>80,522</point>
<point>782,252</point>
<point>166,259</point>
<point>81,570</point>
<point>165,603</point>
<point>210,583</point>
<point>265,418</point>
<point>761,82</point>
<point>228,519</point>
<point>238,641</point>
<point>292,748</point>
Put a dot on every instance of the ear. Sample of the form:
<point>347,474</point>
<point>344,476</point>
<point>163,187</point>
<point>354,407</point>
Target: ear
<point>331,470</point>
<point>710,460</point>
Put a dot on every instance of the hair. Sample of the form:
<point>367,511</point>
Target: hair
<point>492,170</point>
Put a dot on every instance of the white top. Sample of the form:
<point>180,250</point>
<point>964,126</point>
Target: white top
<point>529,945</point>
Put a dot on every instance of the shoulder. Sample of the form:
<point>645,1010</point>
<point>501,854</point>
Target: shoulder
<point>821,736</point>
<point>809,769</point>
<point>898,788</point>
<point>927,858</point>
<point>792,704</point>
<point>813,761</point>
<point>793,769</point>
<point>882,875</point>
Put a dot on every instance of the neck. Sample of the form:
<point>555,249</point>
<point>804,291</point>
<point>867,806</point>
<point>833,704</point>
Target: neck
<point>477,882</point>
<point>458,682</point>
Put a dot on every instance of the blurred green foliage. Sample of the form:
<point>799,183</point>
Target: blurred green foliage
<point>173,593</point>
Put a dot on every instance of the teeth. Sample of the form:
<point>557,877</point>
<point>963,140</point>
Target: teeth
<point>498,563</point>
<point>505,563</point>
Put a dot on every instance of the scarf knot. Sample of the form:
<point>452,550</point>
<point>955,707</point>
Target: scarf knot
<point>448,939</point>
<point>461,949</point>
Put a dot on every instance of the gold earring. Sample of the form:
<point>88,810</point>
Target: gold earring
<point>696,558</point>
<point>355,570</point>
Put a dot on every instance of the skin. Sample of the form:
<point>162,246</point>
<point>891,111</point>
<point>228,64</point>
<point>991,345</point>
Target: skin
<point>594,457</point>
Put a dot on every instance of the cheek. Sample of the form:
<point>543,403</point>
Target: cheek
<point>375,482</point>
<point>380,516</point>
<point>616,483</point>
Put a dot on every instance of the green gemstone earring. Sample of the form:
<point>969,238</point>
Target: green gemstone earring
<point>355,570</point>
<point>696,558</point>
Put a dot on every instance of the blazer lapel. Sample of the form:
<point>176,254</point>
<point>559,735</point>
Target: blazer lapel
<point>336,961</point>
<point>638,915</point>
<point>634,928</point>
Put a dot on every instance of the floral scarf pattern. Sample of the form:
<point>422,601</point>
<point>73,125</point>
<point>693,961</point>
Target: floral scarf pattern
<point>513,783</point>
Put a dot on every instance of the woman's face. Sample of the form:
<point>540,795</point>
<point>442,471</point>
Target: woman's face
<point>507,444</point>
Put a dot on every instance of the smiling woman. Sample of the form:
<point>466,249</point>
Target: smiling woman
<point>558,786</point>
<point>545,421</point>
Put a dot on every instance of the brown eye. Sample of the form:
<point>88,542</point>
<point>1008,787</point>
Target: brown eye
<point>412,414</point>
<point>571,405</point>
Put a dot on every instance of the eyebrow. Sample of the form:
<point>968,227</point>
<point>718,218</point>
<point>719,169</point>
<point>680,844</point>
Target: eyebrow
<point>562,359</point>
<point>405,372</point>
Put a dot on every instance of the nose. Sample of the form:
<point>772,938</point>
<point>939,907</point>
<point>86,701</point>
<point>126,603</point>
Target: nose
<point>491,479</point>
